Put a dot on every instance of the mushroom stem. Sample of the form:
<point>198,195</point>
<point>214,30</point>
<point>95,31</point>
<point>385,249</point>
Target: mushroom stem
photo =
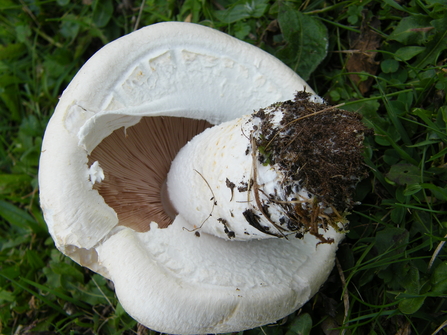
<point>244,179</point>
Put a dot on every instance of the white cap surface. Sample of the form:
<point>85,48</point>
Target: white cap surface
<point>170,279</point>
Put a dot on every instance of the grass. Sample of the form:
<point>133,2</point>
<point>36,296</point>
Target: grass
<point>384,59</point>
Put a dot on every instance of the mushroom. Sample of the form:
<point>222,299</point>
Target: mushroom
<point>179,261</point>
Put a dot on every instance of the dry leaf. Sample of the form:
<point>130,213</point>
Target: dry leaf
<point>269,33</point>
<point>364,46</point>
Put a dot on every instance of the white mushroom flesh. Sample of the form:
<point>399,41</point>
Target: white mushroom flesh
<point>173,280</point>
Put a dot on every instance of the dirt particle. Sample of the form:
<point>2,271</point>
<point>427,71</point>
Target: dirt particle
<point>254,221</point>
<point>227,231</point>
<point>326,147</point>
<point>244,186</point>
<point>231,186</point>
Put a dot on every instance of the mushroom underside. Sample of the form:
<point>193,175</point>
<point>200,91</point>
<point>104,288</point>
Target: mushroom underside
<point>187,284</point>
<point>205,283</point>
<point>136,161</point>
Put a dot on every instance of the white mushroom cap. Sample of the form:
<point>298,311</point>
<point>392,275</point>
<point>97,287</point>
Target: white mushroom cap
<point>169,279</point>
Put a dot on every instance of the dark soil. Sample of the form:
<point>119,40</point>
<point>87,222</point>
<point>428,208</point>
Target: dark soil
<point>318,146</point>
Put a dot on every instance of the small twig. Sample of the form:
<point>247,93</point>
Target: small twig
<point>315,113</point>
<point>345,292</point>
<point>443,325</point>
<point>139,15</point>
<point>212,209</point>
<point>29,12</point>
<point>435,254</point>
<point>218,5</point>
<point>99,288</point>
<point>304,6</point>
<point>263,331</point>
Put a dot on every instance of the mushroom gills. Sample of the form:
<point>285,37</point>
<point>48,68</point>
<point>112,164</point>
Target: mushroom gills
<point>135,162</point>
